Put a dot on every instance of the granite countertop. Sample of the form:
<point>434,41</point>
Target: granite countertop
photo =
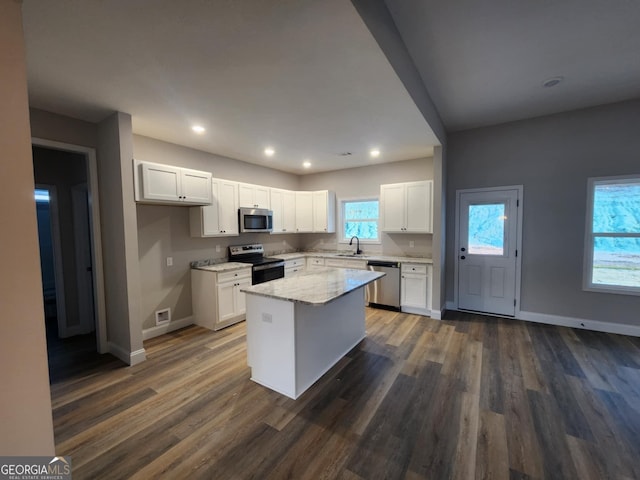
<point>222,267</point>
<point>374,256</point>
<point>315,287</point>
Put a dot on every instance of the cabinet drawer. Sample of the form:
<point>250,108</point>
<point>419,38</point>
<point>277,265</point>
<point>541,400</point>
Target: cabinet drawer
<point>294,262</point>
<point>316,261</point>
<point>234,275</point>
<point>414,268</point>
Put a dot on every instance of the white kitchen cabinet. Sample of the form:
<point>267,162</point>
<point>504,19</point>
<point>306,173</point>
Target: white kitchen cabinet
<point>407,207</point>
<point>170,185</point>
<point>315,262</point>
<point>324,211</point>
<point>219,219</point>
<point>216,297</point>
<point>304,212</point>
<point>253,196</point>
<point>283,205</point>
<point>415,288</point>
<point>294,265</point>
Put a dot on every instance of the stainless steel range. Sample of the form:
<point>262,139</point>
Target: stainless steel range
<point>264,268</point>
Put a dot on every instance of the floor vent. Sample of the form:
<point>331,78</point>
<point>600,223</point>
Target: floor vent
<point>163,316</point>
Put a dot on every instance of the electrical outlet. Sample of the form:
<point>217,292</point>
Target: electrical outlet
<point>217,248</point>
<point>411,244</point>
<point>169,261</point>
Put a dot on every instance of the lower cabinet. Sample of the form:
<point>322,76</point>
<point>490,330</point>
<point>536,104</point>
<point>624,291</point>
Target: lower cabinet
<point>315,262</point>
<point>293,266</point>
<point>216,297</point>
<point>415,288</point>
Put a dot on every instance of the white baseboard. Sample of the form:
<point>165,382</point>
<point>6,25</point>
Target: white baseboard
<point>598,326</point>
<point>437,314</point>
<point>152,332</point>
<point>573,322</point>
<point>130,358</point>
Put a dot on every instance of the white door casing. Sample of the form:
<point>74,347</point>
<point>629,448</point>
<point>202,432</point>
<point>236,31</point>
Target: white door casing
<point>488,250</point>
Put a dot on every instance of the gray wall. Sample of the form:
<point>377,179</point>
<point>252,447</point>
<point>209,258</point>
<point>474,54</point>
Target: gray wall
<point>64,170</point>
<point>364,181</point>
<point>552,157</point>
<point>51,126</point>
<point>163,231</point>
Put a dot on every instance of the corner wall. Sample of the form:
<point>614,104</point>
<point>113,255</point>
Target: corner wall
<point>26,426</point>
<point>552,157</point>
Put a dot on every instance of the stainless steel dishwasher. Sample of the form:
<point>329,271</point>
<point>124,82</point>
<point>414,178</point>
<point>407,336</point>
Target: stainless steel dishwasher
<point>384,292</point>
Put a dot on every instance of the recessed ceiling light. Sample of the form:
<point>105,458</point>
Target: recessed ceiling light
<point>375,153</point>
<point>552,82</point>
<point>269,151</point>
<point>198,129</point>
<point>306,164</point>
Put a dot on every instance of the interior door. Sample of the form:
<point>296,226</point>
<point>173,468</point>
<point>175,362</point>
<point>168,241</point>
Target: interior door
<point>487,250</point>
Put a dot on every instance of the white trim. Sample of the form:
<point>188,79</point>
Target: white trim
<point>438,314</point>
<point>153,332</point>
<point>589,239</point>
<point>583,323</point>
<point>571,322</point>
<point>130,358</point>
<point>96,235</point>
<point>520,208</point>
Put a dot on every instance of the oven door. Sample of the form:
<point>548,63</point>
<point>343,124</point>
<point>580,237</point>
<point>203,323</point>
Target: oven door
<point>267,272</point>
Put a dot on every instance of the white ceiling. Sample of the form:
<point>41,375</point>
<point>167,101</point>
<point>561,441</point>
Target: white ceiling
<point>484,62</point>
<point>305,77</point>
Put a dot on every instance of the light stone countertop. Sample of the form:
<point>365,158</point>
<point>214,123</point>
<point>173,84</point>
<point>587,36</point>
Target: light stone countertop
<point>373,256</point>
<point>315,287</point>
<point>224,267</point>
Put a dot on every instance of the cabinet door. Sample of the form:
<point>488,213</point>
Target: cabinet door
<point>304,211</point>
<point>240,297</point>
<point>418,207</point>
<point>414,290</point>
<point>161,182</point>
<point>261,197</point>
<point>277,206</point>
<point>392,204</point>
<point>195,186</point>
<point>209,215</point>
<point>320,211</point>
<point>227,207</point>
<point>226,301</point>
<point>245,195</point>
<point>288,211</point>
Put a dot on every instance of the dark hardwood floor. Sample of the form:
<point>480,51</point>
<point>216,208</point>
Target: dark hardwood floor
<point>467,397</point>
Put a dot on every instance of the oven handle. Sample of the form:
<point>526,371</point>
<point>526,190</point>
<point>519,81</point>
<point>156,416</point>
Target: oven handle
<point>257,268</point>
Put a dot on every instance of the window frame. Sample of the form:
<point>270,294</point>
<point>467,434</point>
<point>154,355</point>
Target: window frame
<point>590,236</point>
<point>341,219</point>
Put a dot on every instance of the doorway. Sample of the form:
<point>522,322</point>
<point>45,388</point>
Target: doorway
<point>488,250</point>
<point>70,251</point>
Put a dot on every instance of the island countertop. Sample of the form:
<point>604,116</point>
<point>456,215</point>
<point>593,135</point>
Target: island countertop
<point>315,287</point>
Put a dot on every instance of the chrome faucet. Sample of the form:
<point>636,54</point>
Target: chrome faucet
<point>358,251</point>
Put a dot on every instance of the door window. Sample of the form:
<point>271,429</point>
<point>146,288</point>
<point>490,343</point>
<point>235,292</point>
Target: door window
<point>486,233</point>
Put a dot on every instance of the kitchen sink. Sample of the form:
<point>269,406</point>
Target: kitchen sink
<point>353,255</point>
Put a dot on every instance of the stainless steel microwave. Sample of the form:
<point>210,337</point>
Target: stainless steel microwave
<point>255,220</point>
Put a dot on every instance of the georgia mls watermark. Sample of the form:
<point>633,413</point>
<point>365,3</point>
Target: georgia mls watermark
<point>35,468</point>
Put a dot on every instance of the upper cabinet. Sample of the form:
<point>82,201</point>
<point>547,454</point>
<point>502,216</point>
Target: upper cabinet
<point>166,184</point>
<point>283,204</point>
<point>221,217</point>
<point>253,196</point>
<point>324,211</point>
<point>407,207</point>
<point>316,212</point>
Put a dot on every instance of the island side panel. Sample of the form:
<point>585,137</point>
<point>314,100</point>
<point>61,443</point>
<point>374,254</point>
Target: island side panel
<point>325,334</point>
<point>270,343</point>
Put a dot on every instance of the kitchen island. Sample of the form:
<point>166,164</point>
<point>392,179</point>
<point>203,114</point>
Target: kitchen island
<point>299,327</point>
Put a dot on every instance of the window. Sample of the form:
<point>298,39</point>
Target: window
<point>360,218</point>
<point>486,229</point>
<point>612,254</point>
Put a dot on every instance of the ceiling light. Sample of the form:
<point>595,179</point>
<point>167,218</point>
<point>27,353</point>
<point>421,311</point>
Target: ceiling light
<point>552,82</point>
<point>306,164</point>
<point>269,151</point>
<point>198,129</point>
<point>375,153</point>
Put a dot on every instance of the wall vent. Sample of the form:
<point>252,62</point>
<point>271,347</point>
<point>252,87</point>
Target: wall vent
<point>163,316</point>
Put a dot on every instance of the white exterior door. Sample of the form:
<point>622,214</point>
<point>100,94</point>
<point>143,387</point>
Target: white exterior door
<point>487,242</point>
